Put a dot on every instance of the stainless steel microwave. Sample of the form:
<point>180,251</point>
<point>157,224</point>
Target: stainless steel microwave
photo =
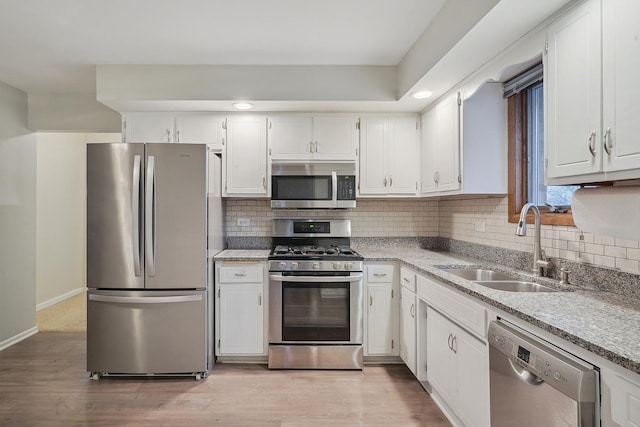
<point>313,185</point>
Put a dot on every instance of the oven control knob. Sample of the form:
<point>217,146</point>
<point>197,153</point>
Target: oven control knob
<point>348,265</point>
<point>316,266</point>
<point>294,265</point>
<point>336,266</point>
<point>282,265</point>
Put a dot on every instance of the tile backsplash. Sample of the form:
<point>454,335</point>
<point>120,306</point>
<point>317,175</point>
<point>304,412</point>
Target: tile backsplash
<point>476,220</point>
<point>379,218</point>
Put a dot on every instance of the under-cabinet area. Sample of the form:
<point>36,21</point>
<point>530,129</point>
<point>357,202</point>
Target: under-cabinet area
<point>419,313</point>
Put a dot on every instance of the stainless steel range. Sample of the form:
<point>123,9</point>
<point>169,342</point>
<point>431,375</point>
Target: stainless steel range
<point>316,296</point>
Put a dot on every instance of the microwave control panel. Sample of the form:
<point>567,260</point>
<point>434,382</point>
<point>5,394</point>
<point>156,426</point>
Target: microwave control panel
<point>346,187</point>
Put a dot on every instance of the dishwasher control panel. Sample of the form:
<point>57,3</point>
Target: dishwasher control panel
<point>539,358</point>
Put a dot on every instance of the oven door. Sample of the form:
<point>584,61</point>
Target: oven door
<point>316,308</point>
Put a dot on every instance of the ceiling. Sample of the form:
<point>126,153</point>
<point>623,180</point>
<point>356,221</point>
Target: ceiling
<point>52,46</point>
<point>387,47</point>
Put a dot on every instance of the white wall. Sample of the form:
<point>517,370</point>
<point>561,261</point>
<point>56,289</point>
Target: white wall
<point>61,213</point>
<point>17,218</point>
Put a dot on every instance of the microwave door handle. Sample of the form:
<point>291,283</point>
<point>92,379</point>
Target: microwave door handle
<point>334,188</point>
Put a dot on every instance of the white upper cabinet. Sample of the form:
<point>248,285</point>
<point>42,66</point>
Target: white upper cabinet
<point>313,137</point>
<point>245,168</point>
<point>620,88</point>
<point>148,127</point>
<point>202,128</point>
<point>464,144</point>
<point>389,154</point>
<point>591,69</point>
<point>441,147</point>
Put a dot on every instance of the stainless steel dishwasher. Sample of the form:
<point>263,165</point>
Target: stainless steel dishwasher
<point>534,383</point>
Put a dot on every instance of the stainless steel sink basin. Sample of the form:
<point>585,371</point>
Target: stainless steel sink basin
<point>475,274</point>
<point>515,286</point>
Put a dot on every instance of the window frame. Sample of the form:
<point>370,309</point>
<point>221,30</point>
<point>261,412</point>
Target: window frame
<point>517,135</point>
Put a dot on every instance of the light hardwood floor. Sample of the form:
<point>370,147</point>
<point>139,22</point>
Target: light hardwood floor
<point>43,382</point>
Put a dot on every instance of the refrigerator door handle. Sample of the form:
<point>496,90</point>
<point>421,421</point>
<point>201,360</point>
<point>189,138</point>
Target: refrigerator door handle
<point>150,213</point>
<point>135,213</point>
<point>145,300</point>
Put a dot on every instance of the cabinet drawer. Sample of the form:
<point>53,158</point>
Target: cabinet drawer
<point>456,306</point>
<point>241,274</point>
<point>380,273</point>
<point>408,279</point>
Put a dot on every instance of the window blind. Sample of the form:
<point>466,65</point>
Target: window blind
<point>522,81</point>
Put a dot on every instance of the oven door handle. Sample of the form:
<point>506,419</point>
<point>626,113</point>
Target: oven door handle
<point>316,279</point>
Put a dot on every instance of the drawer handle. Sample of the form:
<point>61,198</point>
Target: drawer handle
<point>240,274</point>
<point>406,280</point>
<point>379,274</point>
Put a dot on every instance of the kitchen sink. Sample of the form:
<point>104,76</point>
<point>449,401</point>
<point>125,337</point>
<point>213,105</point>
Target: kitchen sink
<point>475,274</point>
<point>514,286</point>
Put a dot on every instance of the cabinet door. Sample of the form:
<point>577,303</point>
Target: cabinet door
<point>408,310</point>
<point>621,91</point>
<point>572,84</point>
<point>473,379</point>
<point>201,128</point>
<point>429,152</point>
<point>448,144</point>
<point>241,318</point>
<point>374,140</point>
<point>441,147</point>
<point>380,319</point>
<point>148,127</point>
<point>335,138</point>
<point>245,170</point>
<point>441,361</point>
<point>291,138</point>
<point>403,156</point>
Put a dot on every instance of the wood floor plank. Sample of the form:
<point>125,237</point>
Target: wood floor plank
<point>43,382</point>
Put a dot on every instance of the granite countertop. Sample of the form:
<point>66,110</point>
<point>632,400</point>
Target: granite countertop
<point>593,320</point>
<point>242,255</point>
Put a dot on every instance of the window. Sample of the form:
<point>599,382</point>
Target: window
<point>525,102</point>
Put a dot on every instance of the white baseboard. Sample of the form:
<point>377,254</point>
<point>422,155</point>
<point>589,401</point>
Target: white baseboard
<point>59,298</point>
<point>17,338</point>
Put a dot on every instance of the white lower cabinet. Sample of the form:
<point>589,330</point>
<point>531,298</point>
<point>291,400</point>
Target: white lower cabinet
<point>408,311</point>
<point>382,312</point>
<point>620,399</point>
<point>240,310</point>
<point>458,369</point>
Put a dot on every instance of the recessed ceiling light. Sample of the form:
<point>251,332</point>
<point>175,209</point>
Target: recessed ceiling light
<point>242,105</point>
<point>422,94</point>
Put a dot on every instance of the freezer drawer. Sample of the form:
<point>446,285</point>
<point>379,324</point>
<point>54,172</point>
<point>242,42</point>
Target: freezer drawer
<point>147,332</point>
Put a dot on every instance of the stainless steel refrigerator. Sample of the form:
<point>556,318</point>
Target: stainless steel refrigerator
<point>152,221</point>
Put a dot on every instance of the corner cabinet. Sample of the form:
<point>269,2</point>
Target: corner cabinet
<point>441,146</point>
<point>240,309</point>
<point>299,137</point>
<point>381,313</point>
<point>245,168</point>
<point>389,156</point>
<point>464,144</point>
<point>592,95</point>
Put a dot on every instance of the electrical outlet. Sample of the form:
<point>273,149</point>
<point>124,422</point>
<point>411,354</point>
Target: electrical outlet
<point>244,222</point>
<point>479,226</point>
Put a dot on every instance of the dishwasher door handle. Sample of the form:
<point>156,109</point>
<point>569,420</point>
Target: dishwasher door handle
<point>524,375</point>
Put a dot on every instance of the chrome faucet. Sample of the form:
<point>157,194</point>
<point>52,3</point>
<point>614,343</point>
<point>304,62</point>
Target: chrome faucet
<point>538,262</point>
